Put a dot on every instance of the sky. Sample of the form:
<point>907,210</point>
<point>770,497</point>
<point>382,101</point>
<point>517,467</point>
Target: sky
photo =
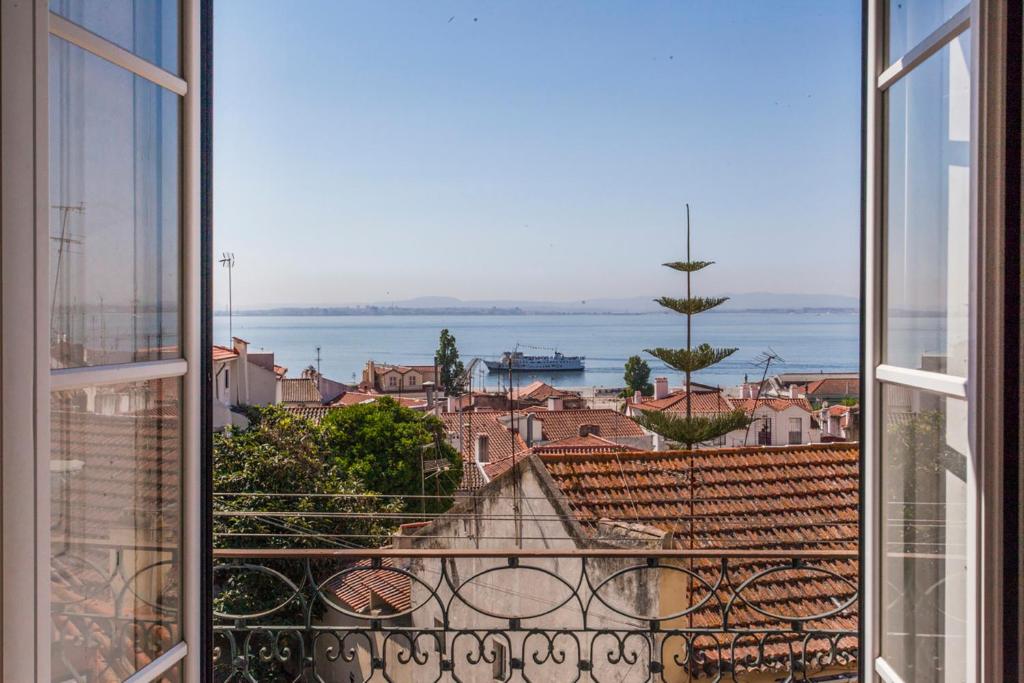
<point>380,151</point>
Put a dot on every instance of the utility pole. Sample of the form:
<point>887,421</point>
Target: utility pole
<point>228,261</point>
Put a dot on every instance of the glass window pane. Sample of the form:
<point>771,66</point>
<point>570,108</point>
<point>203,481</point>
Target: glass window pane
<point>148,28</point>
<point>911,21</point>
<point>928,214</point>
<point>115,528</point>
<point>924,566</point>
<point>114,213</point>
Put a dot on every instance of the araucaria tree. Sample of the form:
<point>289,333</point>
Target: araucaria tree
<point>449,367</point>
<point>689,429</point>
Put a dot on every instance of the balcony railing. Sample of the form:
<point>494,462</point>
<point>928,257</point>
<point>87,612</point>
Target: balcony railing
<point>535,615</point>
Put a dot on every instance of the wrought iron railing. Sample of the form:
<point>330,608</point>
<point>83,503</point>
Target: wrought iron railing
<point>534,615</point>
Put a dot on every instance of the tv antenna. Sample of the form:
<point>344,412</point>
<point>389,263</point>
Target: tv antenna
<point>228,261</point>
<point>64,242</point>
<point>765,358</point>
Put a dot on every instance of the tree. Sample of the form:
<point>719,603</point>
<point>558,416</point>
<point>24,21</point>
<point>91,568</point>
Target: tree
<point>386,446</point>
<point>282,453</point>
<point>448,364</point>
<point>638,376</point>
<point>690,429</point>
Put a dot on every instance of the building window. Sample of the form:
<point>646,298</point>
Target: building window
<point>796,430</point>
<point>392,381</point>
<point>499,667</point>
<point>764,434</point>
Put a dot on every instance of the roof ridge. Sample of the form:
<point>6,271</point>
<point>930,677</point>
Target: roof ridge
<point>746,450</point>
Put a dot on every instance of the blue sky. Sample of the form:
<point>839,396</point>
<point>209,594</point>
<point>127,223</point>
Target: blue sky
<point>376,151</point>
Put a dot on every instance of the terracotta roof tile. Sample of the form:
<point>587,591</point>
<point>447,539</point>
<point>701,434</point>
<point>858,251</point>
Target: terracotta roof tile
<point>299,390</point>
<point>358,588</point>
<point>582,444</point>
<point>223,353</point>
<point>777,403</point>
<point>834,386</point>
<point>792,497</point>
<point>502,444</point>
<point>702,403</point>
<point>563,424</point>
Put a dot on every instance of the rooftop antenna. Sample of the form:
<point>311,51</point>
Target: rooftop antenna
<point>64,240</point>
<point>318,370</point>
<point>765,358</point>
<point>228,261</point>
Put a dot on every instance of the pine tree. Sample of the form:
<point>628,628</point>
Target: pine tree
<point>690,429</point>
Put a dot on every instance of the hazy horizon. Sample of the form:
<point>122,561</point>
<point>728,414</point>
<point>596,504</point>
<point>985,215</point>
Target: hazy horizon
<point>371,152</point>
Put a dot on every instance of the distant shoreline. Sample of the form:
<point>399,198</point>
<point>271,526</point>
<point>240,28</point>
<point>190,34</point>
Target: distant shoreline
<point>331,311</point>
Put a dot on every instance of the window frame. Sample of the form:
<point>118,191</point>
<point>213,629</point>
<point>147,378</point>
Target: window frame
<point>983,389</point>
<point>24,350</point>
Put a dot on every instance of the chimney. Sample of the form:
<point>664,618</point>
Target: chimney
<point>371,375</point>
<point>529,430</point>
<point>587,430</point>
<point>481,453</point>
<point>554,402</point>
<point>794,391</point>
<point>637,397</point>
<point>660,387</point>
<point>429,388</point>
<point>452,404</point>
<point>748,391</point>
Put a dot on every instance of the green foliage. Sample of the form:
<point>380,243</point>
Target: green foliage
<point>285,454</point>
<point>691,305</point>
<point>691,360</point>
<point>688,266</point>
<point>849,402</point>
<point>449,366</point>
<point>696,429</point>
<point>638,377</point>
<point>282,453</point>
<point>383,445</point>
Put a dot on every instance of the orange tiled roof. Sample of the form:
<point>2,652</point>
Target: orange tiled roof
<point>541,391</point>
<point>834,386</point>
<point>789,498</point>
<point>759,497</point>
<point>582,444</point>
<point>357,588</point>
<point>702,403</point>
<point>776,403</point>
<point>312,413</point>
<point>280,370</point>
<point>502,444</point>
<point>350,398</point>
<point>299,390</point>
<point>223,353</point>
<point>563,424</point>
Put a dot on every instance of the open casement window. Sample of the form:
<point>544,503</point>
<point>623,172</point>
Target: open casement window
<point>934,340</point>
<point>100,343</point>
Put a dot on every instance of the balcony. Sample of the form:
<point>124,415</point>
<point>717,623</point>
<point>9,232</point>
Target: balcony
<point>535,615</point>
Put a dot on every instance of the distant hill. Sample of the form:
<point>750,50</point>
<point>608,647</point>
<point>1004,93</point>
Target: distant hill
<point>444,305</point>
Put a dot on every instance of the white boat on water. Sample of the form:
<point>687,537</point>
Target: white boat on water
<point>517,361</point>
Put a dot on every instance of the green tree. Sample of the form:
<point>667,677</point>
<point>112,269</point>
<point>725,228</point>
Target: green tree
<point>638,377</point>
<point>448,364</point>
<point>281,453</point>
<point>690,429</point>
<point>385,445</point>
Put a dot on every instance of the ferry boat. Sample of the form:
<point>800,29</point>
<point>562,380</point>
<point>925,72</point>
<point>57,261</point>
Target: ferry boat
<point>523,363</point>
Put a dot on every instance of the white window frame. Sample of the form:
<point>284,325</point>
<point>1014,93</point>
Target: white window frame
<point>981,389</point>
<point>26,379</point>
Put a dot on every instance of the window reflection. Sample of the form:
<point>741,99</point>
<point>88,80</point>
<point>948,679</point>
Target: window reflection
<point>911,21</point>
<point>148,28</point>
<point>115,525</point>
<point>924,570</point>
<point>114,213</point>
<point>928,214</point>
